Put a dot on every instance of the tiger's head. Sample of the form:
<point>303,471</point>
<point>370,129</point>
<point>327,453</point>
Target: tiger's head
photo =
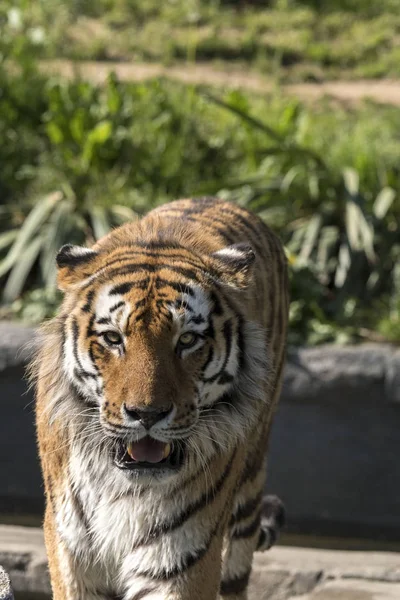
<point>159,351</point>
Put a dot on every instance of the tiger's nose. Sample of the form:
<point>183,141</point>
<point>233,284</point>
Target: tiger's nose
<point>148,415</point>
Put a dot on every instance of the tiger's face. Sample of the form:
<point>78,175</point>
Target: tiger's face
<point>156,353</point>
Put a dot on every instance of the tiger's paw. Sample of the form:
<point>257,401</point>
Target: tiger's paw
<point>273,519</point>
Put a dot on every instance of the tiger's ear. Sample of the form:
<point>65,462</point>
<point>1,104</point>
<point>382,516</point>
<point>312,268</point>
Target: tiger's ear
<point>75,264</point>
<point>233,265</point>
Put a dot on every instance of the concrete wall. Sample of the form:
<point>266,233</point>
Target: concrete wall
<point>335,447</point>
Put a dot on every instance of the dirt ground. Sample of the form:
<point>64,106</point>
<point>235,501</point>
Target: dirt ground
<point>384,91</point>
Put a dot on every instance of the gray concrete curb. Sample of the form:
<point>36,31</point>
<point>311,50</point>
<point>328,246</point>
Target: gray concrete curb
<point>16,344</point>
<point>282,573</point>
<point>5,586</point>
<point>329,371</point>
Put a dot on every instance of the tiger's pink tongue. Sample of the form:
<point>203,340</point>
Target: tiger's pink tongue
<point>148,450</point>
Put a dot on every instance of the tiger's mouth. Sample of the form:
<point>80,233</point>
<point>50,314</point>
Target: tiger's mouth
<point>149,454</point>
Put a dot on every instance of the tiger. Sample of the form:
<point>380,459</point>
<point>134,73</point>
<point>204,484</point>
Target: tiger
<point>156,385</point>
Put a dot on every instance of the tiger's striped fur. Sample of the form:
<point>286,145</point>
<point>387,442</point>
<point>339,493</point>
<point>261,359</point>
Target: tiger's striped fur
<point>203,266</point>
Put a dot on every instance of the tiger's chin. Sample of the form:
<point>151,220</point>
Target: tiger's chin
<point>150,458</point>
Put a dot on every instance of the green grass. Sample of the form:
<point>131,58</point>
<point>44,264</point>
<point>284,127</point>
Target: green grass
<point>290,41</point>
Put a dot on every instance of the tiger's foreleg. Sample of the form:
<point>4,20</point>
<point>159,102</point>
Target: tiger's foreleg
<point>255,525</point>
<point>193,576</point>
<point>67,577</point>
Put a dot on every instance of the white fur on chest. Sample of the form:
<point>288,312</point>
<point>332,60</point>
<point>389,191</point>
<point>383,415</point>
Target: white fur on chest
<point>112,543</point>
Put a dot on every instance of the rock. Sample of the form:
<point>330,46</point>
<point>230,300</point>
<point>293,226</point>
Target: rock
<point>283,573</point>
<point>16,344</point>
<point>355,589</point>
<point>336,372</point>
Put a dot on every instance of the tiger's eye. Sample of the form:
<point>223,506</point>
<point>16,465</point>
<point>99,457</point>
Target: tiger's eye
<point>188,339</point>
<point>113,338</point>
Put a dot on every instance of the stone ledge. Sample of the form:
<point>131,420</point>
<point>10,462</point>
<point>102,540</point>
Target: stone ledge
<point>283,573</point>
<point>331,371</point>
<point>16,344</point>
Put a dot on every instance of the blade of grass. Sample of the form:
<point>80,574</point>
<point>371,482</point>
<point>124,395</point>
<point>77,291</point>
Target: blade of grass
<point>31,226</point>
<point>7,238</point>
<point>383,202</point>
<point>20,270</point>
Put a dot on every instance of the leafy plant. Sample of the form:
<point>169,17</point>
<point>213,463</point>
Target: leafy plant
<point>343,249</point>
<point>54,220</point>
<point>84,158</point>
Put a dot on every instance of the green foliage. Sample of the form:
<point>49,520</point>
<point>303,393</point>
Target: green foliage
<point>36,306</point>
<point>343,245</point>
<point>53,221</point>
<point>81,158</point>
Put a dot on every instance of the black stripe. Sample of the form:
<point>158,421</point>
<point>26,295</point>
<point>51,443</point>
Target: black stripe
<point>235,586</point>
<point>141,302</point>
<point>91,353</point>
<point>51,499</point>
<point>227,300</point>
<point>253,465</point>
<point>128,256</point>
<point>148,268</point>
<point>273,290</point>
<point>227,333</point>
<point>242,223</point>
<point>249,530</point>
<point>208,359</point>
<point>153,245</point>
<point>244,511</point>
<point>182,304</point>
<point>63,332</point>
<point>245,224</point>
<point>82,375</point>
<point>75,336</point>
<point>124,288</point>
<point>113,427</point>
<point>178,287</point>
<point>89,299</point>
<point>223,229</point>
<point>188,561</point>
<point>217,307</point>
<point>104,321</point>
<point>66,256</point>
<point>229,399</point>
<point>161,305</point>
<point>190,510</point>
<point>142,315</point>
<point>90,331</point>
<point>121,288</point>
<point>241,343</point>
<point>198,319</point>
<point>225,378</point>
<point>189,480</point>
<point>210,331</point>
<point>128,323</point>
<point>143,593</point>
<point>78,506</point>
<point>117,306</point>
<point>84,399</point>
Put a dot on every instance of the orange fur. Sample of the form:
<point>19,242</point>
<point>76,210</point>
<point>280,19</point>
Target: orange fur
<point>192,263</point>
